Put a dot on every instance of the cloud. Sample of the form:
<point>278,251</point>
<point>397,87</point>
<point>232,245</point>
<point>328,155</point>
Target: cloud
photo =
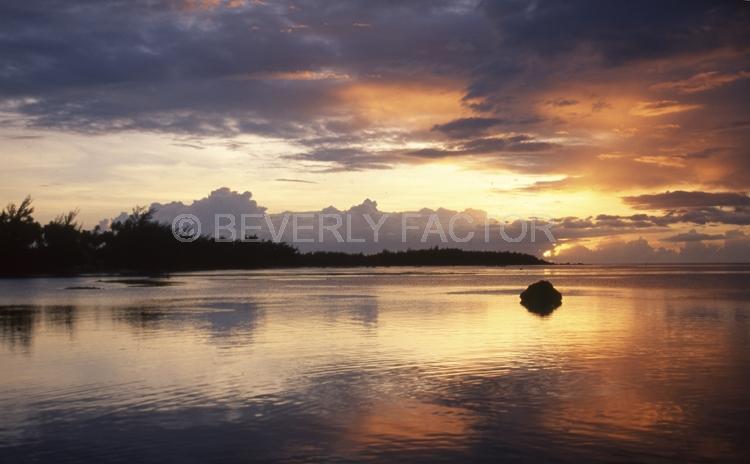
<point>661,160</point>
<point>356,226</point>
<point>733,250</point>
<point>701,82</point>
<point>660,108</point>
<point>571,229</point>
<point>467,127</point>
<point>219,201</point>
<point>683,199</point>
<point>704,215</point>
<point>376,85</point>
<point>667,29</point>
<point>347,158</point>
<point>693,236</point>
<point>471,229</point>
<point>710,215</point>
<point>517,151</point>
<point>485,146</point>
<point>563,102</point>
<point>305,75</point>
<point>298,181</point>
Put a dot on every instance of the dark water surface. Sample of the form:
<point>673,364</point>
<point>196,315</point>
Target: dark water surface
<point>392,365</point>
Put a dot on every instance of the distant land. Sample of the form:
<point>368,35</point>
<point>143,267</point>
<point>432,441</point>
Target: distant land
<point>140,244</point>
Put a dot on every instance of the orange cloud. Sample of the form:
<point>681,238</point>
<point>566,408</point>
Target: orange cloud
<point>660,107</point>
<point>660,160</point>
<point>421,104</point>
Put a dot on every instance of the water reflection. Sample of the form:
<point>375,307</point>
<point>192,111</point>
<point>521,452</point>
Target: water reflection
<point>418,366</point>
<point>362,309</point>
<point>229,323</point>
<point>406,427</point>
<point>63,317</point>
<point>140,317</point>
<point>17,325</point>
<point>541,310</point>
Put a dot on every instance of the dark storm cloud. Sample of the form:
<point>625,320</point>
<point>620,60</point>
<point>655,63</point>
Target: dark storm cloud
<point>683,199</point>
<point>50,46</point>
<point>93,56</point>
<point>278,69</point>
<point>148,65</point>
<point>171,66</point>
<point>546,41</point>
<point>620,31</point>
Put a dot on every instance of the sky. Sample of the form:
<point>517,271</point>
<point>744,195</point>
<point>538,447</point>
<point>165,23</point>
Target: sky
<point>626,124</point>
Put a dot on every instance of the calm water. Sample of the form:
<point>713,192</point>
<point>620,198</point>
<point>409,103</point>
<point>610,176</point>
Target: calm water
<point>395,365</point>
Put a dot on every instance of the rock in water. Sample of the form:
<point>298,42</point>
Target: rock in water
<point>541,298</point>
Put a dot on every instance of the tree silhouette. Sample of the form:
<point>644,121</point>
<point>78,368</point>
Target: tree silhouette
<point>63,244</point>
<point>19,235</point>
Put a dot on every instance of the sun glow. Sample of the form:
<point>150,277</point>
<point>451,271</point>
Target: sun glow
<point>396,104</point>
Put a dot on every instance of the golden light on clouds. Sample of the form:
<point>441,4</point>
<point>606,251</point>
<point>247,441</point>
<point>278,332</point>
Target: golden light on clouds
<point>660,108</point>
<point>414,104</point>
<point>661,160</point>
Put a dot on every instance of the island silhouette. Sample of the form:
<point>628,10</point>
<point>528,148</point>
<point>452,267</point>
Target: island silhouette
<point>141,244</point>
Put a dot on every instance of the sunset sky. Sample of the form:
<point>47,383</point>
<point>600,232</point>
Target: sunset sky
<point>626,122</point>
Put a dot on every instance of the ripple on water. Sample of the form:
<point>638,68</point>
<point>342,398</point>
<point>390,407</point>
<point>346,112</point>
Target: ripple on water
<point>344,365</point>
